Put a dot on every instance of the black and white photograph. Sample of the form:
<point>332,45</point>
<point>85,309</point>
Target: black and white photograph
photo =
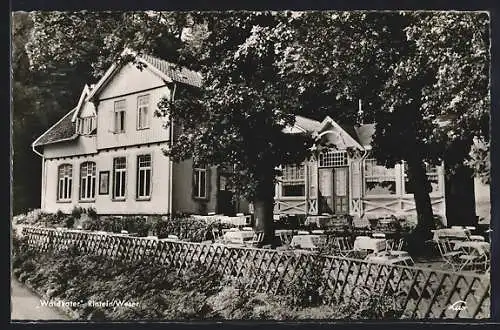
<point>250,165</point>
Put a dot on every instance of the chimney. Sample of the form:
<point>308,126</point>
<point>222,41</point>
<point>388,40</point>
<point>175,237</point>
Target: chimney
<point>360,113</point>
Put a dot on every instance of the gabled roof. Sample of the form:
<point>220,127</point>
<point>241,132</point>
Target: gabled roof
<point>163,69</point>
<point>83,96</point>
<point>63,130</point>
<point>348,130</point>
<point>176,73</point>
<point>361,135</point>
<point>307,124</point>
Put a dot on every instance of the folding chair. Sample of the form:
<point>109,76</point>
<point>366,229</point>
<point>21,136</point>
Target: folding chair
<point>257,238</point>
<point>342,246</point>
<point>449,256</point>
<point>286,238</point>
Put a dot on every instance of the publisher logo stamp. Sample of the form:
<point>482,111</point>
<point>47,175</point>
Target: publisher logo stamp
<point>459,305</point>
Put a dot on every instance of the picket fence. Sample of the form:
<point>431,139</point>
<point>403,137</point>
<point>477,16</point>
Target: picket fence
<point>420,292</point>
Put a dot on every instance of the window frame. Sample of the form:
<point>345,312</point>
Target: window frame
<point>93,181</point>
<point>436,172</point>
<point>296,176</point>
<point>91,123</point>
<point>394,176</point>
<point>65,184</point>
<point>141,107</point>
<point>330,158</point>
<point>197,170</point>
<point>124,181</point>
<point>144,168</point>
<point>116,112</point>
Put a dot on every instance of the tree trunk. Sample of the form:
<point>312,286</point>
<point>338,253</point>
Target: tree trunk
<point>264,206</point>
<point>425,216</point>
<point>460,197</point>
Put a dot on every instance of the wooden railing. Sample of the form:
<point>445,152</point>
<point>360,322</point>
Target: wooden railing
<point>419,292</point>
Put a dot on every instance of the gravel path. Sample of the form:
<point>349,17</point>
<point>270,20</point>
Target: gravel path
<point>25,305</point>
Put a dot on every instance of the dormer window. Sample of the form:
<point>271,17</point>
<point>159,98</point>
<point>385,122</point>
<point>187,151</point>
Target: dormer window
<point>85,125</point>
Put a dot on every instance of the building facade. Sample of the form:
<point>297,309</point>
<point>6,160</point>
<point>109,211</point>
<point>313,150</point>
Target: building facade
<point>345,179</point>
<point>107,153</point>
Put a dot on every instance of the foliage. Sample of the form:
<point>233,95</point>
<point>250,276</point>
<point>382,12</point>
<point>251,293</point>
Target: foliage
<point>480,160</point>
<point>77,212</point>
<point>92,213</point>
<point>184,227</point>
<point>69,222</point>
<point>306,288</point>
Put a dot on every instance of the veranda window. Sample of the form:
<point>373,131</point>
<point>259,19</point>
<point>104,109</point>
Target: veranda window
<point>64,182</point>
<point>333,158</point>
<point>119,177</point>
<point>293,181</point>
<point>379,180</point>
<point>432,177</point>
<point>87,181</point>
<point>144,168</point>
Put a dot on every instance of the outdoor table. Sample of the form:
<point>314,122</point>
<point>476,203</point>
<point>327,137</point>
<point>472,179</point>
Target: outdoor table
<point>319,221</point>
<point>310,242</point>
<point>481,248</point>
<point>239,236</point>
<point>451,233</point>
<point>369,243</point>
<point>390,259</point>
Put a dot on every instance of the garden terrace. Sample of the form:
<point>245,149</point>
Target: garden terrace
<point>419,292</point>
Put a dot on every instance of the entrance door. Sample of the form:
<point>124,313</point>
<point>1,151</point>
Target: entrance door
<point>340,191</point>
<point>225,202</point>
<point>333,189</point>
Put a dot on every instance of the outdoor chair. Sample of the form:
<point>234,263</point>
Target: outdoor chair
<point>478,238</point>
<point>342,246</point>
<point>257,238</point>
<point>449,256</point>
<point>216,234</point>
<point>286,238</point>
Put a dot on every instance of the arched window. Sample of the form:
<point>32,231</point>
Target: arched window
<point>64,182</point>
<point>87,181</point>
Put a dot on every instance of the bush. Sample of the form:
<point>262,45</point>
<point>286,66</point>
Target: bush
<point>186,228</point>
<point>77,212</point>
<point>69,222</point>
<point>92,213</point>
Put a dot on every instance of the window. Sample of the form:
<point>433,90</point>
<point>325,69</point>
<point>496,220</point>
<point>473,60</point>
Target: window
<point>293,181</point>
<point>200,183</point>
<point>432,176</point>
<point>333,158</point>
<point>87,181</point>
<point>379,180</point>
<point>85,125</point>
<point>143,112</point>
<point>119,120</point>
<point>64,182</point>
<point>119,177</point>
<point>143,185</point>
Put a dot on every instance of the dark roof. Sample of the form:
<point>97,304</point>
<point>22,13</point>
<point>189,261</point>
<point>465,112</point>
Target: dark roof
<point>365,133</point>
<point>309,125</point>
<point>175,72</point>
<point>63,130</point>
